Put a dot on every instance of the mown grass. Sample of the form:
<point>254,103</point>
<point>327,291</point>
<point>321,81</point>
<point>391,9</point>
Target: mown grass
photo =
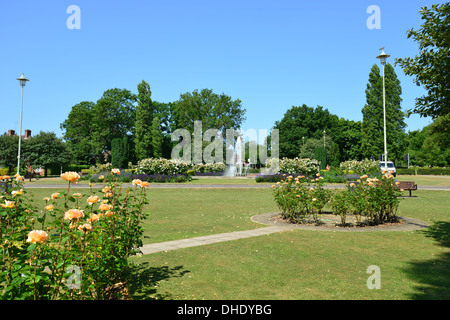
<point>313,264</point>
<point>298,264</point>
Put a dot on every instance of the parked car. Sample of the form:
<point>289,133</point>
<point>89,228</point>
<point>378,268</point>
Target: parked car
<point>390,167</point>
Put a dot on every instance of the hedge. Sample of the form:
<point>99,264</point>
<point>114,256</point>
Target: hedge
<point>424,171</point>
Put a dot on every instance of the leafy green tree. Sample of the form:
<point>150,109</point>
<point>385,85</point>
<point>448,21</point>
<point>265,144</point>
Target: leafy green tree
<point>304,121</point>
<point>120,152</point>
<point>79,133</point>
<point>215,111</point>
<point>372,143</point>
<point>9,147</point>
<point>114,117</point>
<point>431,145</point>
<point>431,67</point>
<point>144,118</point>
<point>46,150</point>
<point>157,138</point>
<point>348,139</point>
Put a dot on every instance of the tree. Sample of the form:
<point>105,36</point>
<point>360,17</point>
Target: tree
<point>215,111</point>
<point>46,150</point>
<point>114,117</point>
<point>144,118</point>
<point>120,152</point>
<point>157,138</point>
<point>372,143</point>
<point>304,121</point>
<point>9,147</point>
<point>431,68</point>
<point>79,133</point>
<point>348,140</point>
<point>431,145</point>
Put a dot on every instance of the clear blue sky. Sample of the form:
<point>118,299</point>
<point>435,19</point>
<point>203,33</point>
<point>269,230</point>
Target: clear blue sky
<point>270,54</point>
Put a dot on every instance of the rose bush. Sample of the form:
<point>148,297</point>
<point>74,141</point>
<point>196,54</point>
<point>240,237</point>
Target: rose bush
<point>370,199</point>
<point>42,245</point>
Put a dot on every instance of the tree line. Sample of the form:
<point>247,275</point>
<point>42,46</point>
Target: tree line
<point>122,126</point>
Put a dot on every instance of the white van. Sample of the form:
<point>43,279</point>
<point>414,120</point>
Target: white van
<point>390,167</point>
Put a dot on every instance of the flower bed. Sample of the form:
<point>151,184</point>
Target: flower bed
<point>374,199</point>
<point>295,166</point>
<point>71,245</point>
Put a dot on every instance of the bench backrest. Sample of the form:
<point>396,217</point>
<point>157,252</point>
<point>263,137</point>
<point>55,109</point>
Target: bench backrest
<point>407,185</point>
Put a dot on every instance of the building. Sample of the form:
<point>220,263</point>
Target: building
<point>27,135</point>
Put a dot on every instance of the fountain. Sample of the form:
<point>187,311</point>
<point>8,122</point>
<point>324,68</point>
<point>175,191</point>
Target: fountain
<point>236,165</point>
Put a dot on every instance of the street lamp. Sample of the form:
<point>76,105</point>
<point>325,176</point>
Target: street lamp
<point>383,56</point>
<point>22,81</point>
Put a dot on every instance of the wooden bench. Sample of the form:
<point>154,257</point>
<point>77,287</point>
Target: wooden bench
<point>407,185</point>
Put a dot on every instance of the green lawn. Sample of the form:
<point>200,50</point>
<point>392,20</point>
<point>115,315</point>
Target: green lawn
<point>434,181</point>
<point>298,264</point>
<point>311,264</point>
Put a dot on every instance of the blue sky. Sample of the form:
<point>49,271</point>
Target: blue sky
<point>272,55</point>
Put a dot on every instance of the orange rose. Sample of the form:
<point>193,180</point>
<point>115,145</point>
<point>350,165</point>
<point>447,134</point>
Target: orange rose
<point>104,207</point>
<point>144,184</point>
<point>37,236</point>
<point>94,218</point>
<point>93,199</point>
<point>77,195</point>
<point>136,182</point>
<point>70,176</point>
<point>55,195</point>
<point>109,213</point>
<point>106,189</point>
<point>73,214</point>
<point>115,171</point>
<point>49,207</point>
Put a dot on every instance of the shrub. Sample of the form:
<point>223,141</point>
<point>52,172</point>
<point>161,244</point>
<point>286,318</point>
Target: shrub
<point>92,234</point>
<point>162,166</point>
<point>296,166</point>
<point>300,197</point>
<point>217,167</point>
<point>366,166</point>
<point>340,205</point>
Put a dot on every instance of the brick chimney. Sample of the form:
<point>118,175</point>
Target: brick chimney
<point>27,134</point>
<point>11,133</point>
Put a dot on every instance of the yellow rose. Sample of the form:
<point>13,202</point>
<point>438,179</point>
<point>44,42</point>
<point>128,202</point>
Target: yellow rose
<point>49,207</point>
<point>136,182</point>
<point>8,204</point>
<point>115,171</point>
<point>17,192</point>
<point>104,207</point>
<point>93,199</point>
<point>70,176</point>
<point>73,214</point>
<point>37,236</point>
<point>144,184</point>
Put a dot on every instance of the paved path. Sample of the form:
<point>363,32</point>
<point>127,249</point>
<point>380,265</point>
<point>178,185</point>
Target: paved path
<point>409,224</point>
<point>197,186</point>
<point>215,238</point>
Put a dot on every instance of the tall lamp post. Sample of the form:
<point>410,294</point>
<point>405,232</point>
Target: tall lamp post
<point>324,146</point>
<point>22,81</point>
<point>383,56</point>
